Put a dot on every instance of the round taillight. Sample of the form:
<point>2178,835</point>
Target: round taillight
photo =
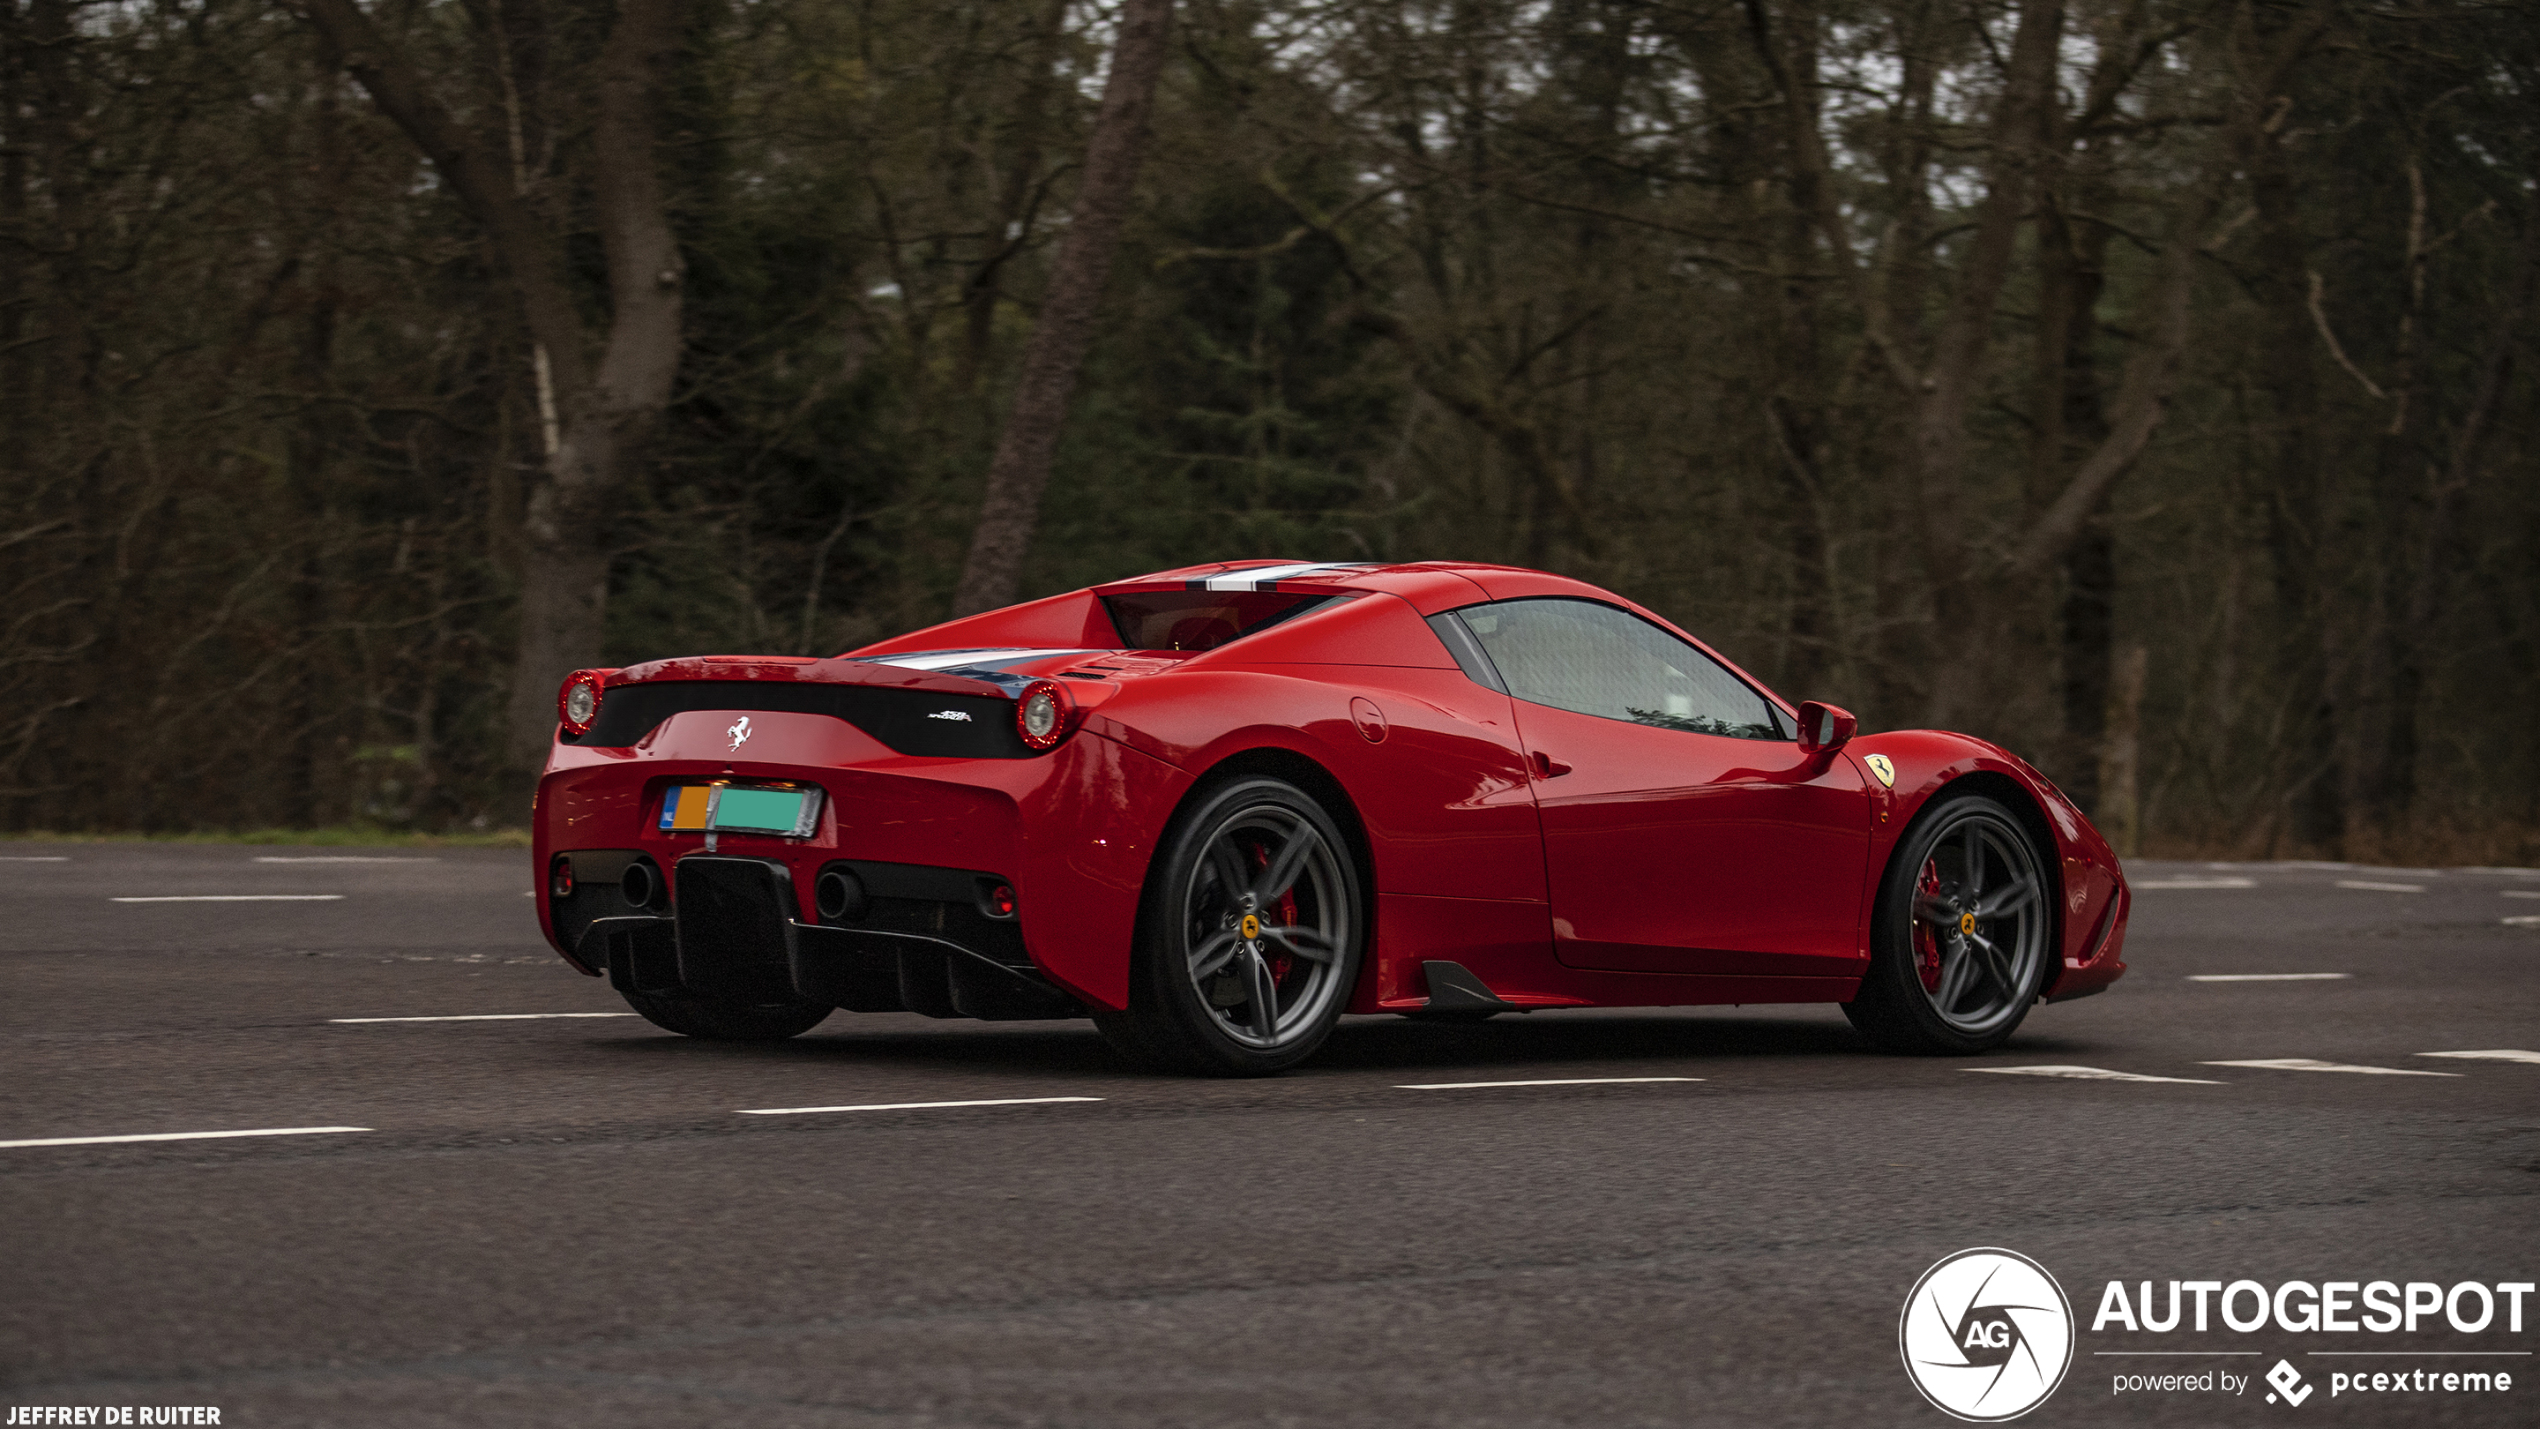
<point>1001,900</point>
<point>560,878</point>
<point>578,703</point>
<point>1042,715</point>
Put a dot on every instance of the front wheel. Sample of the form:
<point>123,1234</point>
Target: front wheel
<point>1250,937</point>
<point>1960,941</point>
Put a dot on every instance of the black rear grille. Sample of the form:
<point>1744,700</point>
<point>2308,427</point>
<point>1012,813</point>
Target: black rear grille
<point>908,721</point>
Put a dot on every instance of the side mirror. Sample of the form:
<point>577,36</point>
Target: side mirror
<point>1823,727</point>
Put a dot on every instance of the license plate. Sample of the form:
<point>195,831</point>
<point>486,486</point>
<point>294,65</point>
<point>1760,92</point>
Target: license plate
<point>789,811</point>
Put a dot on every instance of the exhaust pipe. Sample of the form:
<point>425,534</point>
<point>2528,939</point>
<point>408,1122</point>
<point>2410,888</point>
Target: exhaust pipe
<point>641,884</point>
<point>840,895</point>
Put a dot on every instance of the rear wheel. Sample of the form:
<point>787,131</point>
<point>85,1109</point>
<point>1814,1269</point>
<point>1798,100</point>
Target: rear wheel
<point>719,1019</point>
<point>1250,936</point>
<point>1960,940</point>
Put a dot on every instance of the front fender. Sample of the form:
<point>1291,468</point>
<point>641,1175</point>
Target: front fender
<point>2090,891</point>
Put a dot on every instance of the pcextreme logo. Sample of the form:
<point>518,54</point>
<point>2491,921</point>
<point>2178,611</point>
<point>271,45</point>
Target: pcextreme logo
<point>1986,1335</point>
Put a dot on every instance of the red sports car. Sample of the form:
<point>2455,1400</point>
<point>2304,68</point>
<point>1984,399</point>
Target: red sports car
<point>1214,809</point>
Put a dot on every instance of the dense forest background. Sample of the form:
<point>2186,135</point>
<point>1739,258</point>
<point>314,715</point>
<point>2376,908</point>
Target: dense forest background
<point>2145,384</point>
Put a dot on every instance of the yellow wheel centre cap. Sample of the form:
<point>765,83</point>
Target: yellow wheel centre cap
<point>1967,924</point>
<point>1252,927</point>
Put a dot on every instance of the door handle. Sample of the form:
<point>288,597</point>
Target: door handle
<point>1547,767</point>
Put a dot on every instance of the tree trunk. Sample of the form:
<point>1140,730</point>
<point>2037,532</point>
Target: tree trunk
<point>2430,587</point>
<point>2315,812</point>
<point>1052,359</point>
<point>606,414</point>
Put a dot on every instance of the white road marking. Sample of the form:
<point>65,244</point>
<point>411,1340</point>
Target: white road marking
<point>483,1017</point>
<point>2196,883</point>
<point>1548,1082</point>
<point>2521,892</point>
<point>2500,1054</point>
<point>235,898</point>
<point>2368,886</point>
<point>36,858</point>
<point>913,1106</point>
<point>2507,872</point>
<point>182,1136</point>
<point>2313,1064</point>
<point>2522,920</point>
<point>2267,977</point>
<point>2089,1074</point>
<point>336,858</point>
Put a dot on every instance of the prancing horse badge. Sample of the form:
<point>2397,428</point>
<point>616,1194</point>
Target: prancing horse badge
<point>1880,766</point>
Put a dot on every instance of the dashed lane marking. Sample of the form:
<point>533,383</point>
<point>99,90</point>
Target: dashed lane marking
<point>2500,1054</point>
<point>911,1106</point>
<point>2195,883</point>
<point>2520,892</point>
<point>2312,1064</point>
<point>337,858</point>
<point>2267,977</point>
<point>36,858</point>
<point>235,898</point>
<point>182,1136</point>
<point>2369,886</point>
<point>2522,920</point>
<point>2089,1074</point>
<point>1546,1082</point>
<point>483,1017</point>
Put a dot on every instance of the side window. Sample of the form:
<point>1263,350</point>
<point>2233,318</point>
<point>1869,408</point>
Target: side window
<point>1594,659</point>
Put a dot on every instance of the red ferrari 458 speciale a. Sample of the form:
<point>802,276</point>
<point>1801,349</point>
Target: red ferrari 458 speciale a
<point>1214,809</point>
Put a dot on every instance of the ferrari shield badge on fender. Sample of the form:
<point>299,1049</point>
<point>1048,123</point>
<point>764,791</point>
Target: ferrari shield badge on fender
<point>1879,765</point>
<point>740,732</point>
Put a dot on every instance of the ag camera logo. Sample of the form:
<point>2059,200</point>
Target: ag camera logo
<point>1986,1335</point>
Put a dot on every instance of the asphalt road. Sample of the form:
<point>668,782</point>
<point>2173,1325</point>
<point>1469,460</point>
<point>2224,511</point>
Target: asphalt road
<point>564,1220</point>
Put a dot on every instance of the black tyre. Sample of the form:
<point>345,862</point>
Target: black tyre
<point>1249,939</point>
<point>724,1020</point>
<point>1961,939</point>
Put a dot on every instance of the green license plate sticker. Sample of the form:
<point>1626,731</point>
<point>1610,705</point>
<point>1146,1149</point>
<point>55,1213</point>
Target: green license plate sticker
<point>767,811</point>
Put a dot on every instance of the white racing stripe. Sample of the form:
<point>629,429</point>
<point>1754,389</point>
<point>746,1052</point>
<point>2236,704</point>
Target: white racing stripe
<point>2196,883</point>
<point>953,659</point>
<point>912,1106</point>
<point>235,898</point>
<point>2368,886</point>
<point>336,858</point>
<point>182,1136</point>
<point>2500,1054</point>
<point>2313,1064</point>
<point>1260,576</point>
<point>2089,1074</point>
<point>483,1017</point>
<point>2268,977</point>
<point>1547,1082</point>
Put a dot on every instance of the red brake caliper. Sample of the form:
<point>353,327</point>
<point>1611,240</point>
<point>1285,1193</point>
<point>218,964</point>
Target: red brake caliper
<point>1926,941</point>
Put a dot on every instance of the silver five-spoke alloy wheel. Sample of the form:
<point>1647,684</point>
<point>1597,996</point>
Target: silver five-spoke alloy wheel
<point>1979,925</point>
<point>1265,916</point>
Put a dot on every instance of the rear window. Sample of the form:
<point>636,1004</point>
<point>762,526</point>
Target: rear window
<point>1201,619</point>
